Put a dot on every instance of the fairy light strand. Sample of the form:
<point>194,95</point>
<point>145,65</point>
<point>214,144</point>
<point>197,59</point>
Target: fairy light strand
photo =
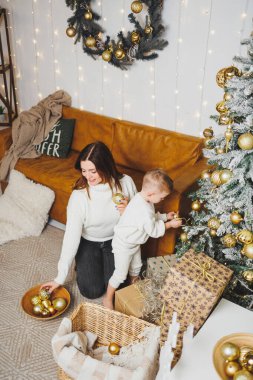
<point>36,53</point>
<point>52,41</point>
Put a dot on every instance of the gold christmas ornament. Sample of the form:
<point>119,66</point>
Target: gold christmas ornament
<point>221,107</point>
<point>117,198</point>
<point>243,375</point>
<point>119,53</point>
<point>248,276</point>
<point>88,15</point>
<point>235,217</point>
<point>46,303</point>
<point>135,37</point>
<point>59,303</point>
<point>230,351</point>
<point>35,300</point>
<point>107,55</point>
<point>231,368</point>
<point>228,136</point>
<point>90,42</point>
<point>205,174</point>
<point>243,351</point>
<point>136,6</point>
<point>37,309</point>
<point>71,31</point>
<point>215,178</point>
<point>51,309</point>
<point>229,240</point>
<point>213,233</point>
<point>245,141</point>
<point>247,250</point>
<point>44,294</point>
<point>206,142</point>
<point>196,205</point>
<point>225,175</point>
<point>220,77</point>
<point>219,150</point>
<point>224,119</point>
<point>231,71</point>
<point>213,223</point>
<point>244,236</point>
<point>227,96</point>
<point>148,29</point>
<point>114,348</point>
<point>208,132</point>
<point>183,236</point>
<point>45,313</point>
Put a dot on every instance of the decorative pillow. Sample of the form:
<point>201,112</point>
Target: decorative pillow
<point>58,141</point>
<point>24,208</point>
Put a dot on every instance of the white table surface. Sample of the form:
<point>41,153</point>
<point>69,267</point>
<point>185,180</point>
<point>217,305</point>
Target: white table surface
<point>196,362</point>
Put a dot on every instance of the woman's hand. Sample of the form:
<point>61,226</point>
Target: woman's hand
<point>171,215</point>
<point>174,223</point>
<point>123,203</point>
<point>50,286</point>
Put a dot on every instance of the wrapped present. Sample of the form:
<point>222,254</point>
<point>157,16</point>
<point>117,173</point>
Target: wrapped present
<point>192,289</point>
<point>159,264</point>
<point>130,300</point>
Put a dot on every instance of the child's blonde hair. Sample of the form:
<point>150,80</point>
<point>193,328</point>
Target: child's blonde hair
<point>157,178</point>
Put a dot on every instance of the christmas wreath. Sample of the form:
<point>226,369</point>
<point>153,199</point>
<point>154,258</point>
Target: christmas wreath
<point>140,43</point>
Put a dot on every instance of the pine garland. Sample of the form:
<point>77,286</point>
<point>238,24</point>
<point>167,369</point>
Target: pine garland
<point>138,44</point>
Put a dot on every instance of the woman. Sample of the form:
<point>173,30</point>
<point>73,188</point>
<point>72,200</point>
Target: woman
<point>91,217</point>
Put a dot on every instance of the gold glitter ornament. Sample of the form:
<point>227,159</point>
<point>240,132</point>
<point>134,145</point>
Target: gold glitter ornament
<point>37,309</point>
<point>245,236</point>
<point>46,303</point>
<point>59,303</point>
<point>228,136</point>
<point>135,37</point>
<point>215,178</point>
<point>213,223</point>
<point>35,300</point>
<point>247,250</point>
<point>229,240</point>
<point>114,349</point>
<point>231,71</point>
<point>245,141</point>
<point>227,96</point>
<point>44,294</point>
<point>88,15</point>
<point>117,198</point>
<point>224,119</point>
<point>119,52</point>
<point>235,217</point>
<point>220,77</point>
<point>71,31</point>
<point>231,368</point>
<point>243,375</point>
<point>196,205</point>
<point>205,174</point>
<point>248,276</point>
<point>243,351</point>
<point>230,351</point>
<point>221,107</point>
<point>225,175</point>
<point>183,236</point>
<point>136,6</point>
<point>208,132</point>
<point>107,55</point>
<point>90,42</point>
<point>213,233</point>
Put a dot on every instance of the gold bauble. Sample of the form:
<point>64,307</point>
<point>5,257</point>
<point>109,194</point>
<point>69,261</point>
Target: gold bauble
<point>206,142</point>
<point>51,309</point>
<point>220,77</point>
<point>248,276</point>
<point>88,15</point>
<point>231,71</point>
<point>215,178</point>
<point>117,198</point>
<point>227,96</point>
<point>221,107</point>
<point>213,223</point>
<point>229,240</point>
<point>224,119</point>
<point>136,6</point>
<point>225,175</point>
<point>46,303</point>
<point>213,233</point>
<point>44,294</point>
<point>90,42</point>
<point>59,303</point>
<point>231,368</point>
<point>205,174</point>
<point>196,205</point>
<point>148,29</point>
<point>208,132</point>
<point>35,300</point>
<point>245,236</point>
<point>229,133</point>
<point>243,351</point>
<point>45,313</point>
<point>230,351</point>
<point>37,309</point>
<point>114,348</point>
<point>107,55</point>
<point>183,236</point>
<point>135,37</point>
<point>245,141</point>
<point>247,250</point>
<point>71,31</point>
<point>119,53</point>
<point>219,150</point>
<point>243,375</point>
<point>235,217</point>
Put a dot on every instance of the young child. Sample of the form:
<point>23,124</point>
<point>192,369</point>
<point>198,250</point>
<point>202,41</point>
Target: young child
<point>139,222</point>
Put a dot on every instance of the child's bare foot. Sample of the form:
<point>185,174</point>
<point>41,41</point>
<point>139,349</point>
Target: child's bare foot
<point>134,279</point>
<point>107,303</point>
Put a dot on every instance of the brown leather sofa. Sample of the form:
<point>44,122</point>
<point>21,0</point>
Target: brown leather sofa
<point>136,148</point>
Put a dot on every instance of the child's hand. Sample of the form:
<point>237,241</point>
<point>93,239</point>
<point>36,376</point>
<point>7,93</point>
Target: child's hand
<point>174,223</point>
<point>121,207</point>
<point>171,215</point>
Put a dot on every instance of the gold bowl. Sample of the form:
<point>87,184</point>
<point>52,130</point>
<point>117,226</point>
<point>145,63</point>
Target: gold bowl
<point>240,339</point>
<point>27,306</point>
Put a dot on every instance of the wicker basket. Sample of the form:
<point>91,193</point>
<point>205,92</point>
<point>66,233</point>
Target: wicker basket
<point>108,325</point>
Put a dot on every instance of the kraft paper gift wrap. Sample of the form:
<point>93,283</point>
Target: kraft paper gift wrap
<point>159,264</point>
<point>130,301</point>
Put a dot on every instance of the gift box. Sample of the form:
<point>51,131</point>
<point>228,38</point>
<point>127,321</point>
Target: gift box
<point>192,288</point>
<point>130,300</point>
<point>159,264</point>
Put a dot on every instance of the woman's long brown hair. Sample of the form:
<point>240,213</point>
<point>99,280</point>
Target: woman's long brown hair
<point>100,155</point>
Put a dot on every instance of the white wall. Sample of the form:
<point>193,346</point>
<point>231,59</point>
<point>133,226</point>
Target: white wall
<point>177,91</point>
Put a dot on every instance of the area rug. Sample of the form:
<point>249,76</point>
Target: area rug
<point>25,343</point>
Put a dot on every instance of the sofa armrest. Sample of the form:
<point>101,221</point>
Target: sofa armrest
<point>5,141</point>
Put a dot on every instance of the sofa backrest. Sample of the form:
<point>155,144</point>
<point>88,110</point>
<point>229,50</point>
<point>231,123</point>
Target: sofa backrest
<point>135,146</point>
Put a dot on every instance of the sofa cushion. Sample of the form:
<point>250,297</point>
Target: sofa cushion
<point>143,148</point>
<point>58,141</point>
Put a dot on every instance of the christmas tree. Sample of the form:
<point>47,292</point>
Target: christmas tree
<point>221,223</point>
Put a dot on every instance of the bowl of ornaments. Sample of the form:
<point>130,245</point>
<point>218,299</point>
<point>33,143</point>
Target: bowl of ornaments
<point>40,304</point>
<point>233,357</point>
